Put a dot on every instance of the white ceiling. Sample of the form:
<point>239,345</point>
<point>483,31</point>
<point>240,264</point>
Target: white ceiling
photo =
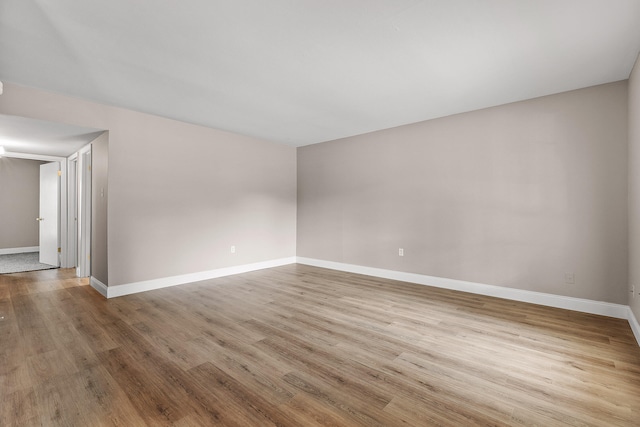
<point>30,136</point>
<point>306,71</point>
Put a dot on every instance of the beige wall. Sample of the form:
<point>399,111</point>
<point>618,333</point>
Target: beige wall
<point>634,188</point>
<point>19,202</point>
<point>99,205</point>
<point>180,195</point>
<point>514,196</point>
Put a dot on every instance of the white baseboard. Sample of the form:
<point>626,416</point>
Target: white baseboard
<point>99,286</point>
<point>26,249</point>
<point>618,311</point>
<point>635,326</point>
<point>148,285</point>
<point>570,303</point>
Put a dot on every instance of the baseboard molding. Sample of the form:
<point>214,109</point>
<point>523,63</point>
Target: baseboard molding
<point>618,311</point>
<point>99,286</point>
<point>148,285</point>
<point>24,250</point>
<point>635,326</point>
<point>570,303</point>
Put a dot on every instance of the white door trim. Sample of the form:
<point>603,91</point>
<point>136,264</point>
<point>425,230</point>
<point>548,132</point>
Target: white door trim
<point>84,211</point>
<point>72,225</point>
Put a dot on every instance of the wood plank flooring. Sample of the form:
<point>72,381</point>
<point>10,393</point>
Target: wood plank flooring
<point>304,346</point>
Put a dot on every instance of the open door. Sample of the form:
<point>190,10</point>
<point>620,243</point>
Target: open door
<point>49,213</point>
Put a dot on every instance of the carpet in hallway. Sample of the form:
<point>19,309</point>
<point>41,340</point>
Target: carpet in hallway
<point>18,263</point>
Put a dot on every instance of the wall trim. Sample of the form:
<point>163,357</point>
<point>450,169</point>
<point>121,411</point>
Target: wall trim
<point>635,326</point>
<point>164,282</point>
<point>99,286</point>
<point>26,249</point>
<point>618,311</point>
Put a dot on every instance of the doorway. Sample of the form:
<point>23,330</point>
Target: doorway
<point>30,233</point>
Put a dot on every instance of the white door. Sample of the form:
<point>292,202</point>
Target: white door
<point>49,213</point>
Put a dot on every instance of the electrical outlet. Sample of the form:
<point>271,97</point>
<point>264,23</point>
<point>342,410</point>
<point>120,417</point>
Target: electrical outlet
<point>569,278</point>
<point>400,252</point>
<point>233,249</point>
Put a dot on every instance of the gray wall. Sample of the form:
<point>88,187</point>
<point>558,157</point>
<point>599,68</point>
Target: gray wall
<point>514,196</point>
<point>634,188</point>
<point>19,202</point>
<point>99,205</point>
<point>179,195</point>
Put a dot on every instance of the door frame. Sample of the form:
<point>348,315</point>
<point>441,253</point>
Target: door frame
<point>84,205</point>
<point>72,218</point>
<point>63,232</point>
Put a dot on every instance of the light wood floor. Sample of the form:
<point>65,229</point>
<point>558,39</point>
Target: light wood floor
<point>303,346</point>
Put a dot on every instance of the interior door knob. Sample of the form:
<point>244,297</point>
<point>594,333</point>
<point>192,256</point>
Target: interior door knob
<point>39,219</point>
